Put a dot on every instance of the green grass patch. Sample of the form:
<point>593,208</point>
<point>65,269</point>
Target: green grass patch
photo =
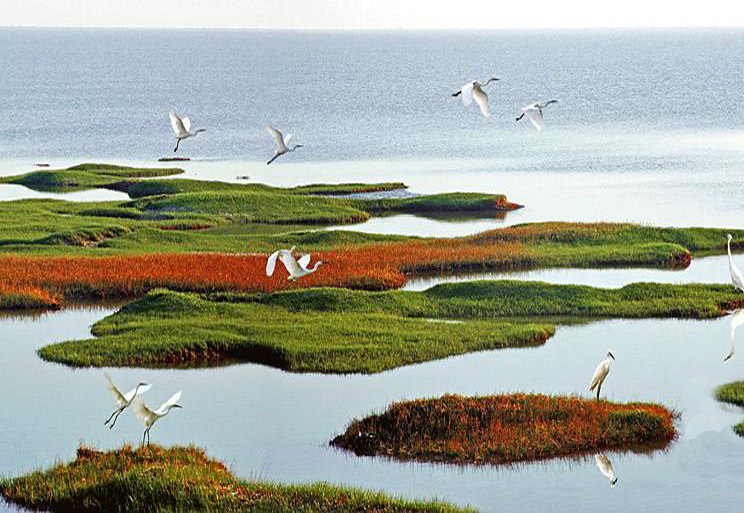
<point>343,331</point>
<point>183,479</point>
<point>733,393</point>
<point>506,429</point>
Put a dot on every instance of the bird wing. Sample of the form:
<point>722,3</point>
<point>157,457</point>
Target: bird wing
<point>142,412</point>
<point>118,397</point>
<point>287,139</point>
<point>170,402</point>
<point>599,374</point>
<point>279,145</point>
<point>481,98</point>
<point>186,124</point>
<point>736,320</point>
<point>130,395</point>
<point>736,275</point>
<point>467,94</point>
<point>177,125</point>
<point>304,261</point>
<point>293,268</point>
<point>535,116</point>
<point>271,263</point>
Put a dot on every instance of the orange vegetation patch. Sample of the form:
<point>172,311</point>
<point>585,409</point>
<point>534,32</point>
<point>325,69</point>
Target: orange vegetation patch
<point>25,296</point>
<point>507,428</point>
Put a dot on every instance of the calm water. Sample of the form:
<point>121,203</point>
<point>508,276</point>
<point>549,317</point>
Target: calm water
<point>648,129</point>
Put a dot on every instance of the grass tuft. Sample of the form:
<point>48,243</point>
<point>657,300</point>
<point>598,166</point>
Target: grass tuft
<point>733,393</point>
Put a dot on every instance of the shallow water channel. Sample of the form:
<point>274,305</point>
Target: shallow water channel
<point>270,424</point>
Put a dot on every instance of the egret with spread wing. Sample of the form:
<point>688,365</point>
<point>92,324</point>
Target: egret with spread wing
<point>281,144</point>
<point>474,91</point>
<point>148,417</point>
<point>534,113</point>
<point>182,128</point>
<point>296,268</point>
<point>123,401</point>
<point>600,374</point>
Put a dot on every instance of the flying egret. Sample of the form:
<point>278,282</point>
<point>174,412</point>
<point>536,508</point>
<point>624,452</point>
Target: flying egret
<point>281,143</point>
<point>123,401</point>
<point>737,319</point>
<point>149,417</point>
<point>601,373</point>
<point>474,91</point>
<point>296,268</point>
<point>736,278</point>
<point>605,466</point>
<point>534,113</point>
<point>181,127</point>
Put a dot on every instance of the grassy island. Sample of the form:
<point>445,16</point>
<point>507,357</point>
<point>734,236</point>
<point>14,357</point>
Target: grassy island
<point>341,331</point>
<point>507,429</point>
<point>733,393</point>
<point>183,479</point>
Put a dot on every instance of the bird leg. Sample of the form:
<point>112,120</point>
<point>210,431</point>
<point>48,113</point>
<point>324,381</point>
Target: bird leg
<point>178,141</point>
<point>599,387</point>
<point>520,117</point>
<point>272,159</point>
<point>116,418</point>
<point>143,436</point>
<point>455,95</point>
<point>112,416</point>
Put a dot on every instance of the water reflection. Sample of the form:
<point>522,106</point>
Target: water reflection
<point>605,466</point>
<point>737,318</point>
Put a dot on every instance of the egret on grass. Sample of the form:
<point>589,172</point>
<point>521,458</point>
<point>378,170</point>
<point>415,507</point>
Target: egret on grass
<point>534,113</point>
<point>474,91</point>
<point>295,268</point>
<point>182,128</point>
<point>737,319</point>
<point>605,466</point>
<point>601,373</point>
<point>149,417</point>
<point>123,401</point>
<point>736,278</point>
<point>281,144</point>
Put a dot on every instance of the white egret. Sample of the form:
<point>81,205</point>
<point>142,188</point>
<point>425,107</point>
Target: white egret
<point>281,144</point>
<point>736,278</point>
<point>148,417</point>
<point>605,466</point>
<point>737,319</point>
<point>295,268</point>
<point>600,374</point>
<point>534,113</point>
<point>474,91</point>
<point>123,401</point>
<point>182,128</point>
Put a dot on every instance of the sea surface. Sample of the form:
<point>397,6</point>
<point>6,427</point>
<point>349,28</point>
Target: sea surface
<point>649,128</point>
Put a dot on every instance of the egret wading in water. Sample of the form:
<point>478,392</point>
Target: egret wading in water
<point>605,466</point>
<point>149,417</point>
<point>474,91</point>
<point>123,401</point>
<point>534,113</point>
<point>296,268</point>
<point>736,278</point>
<point>737,319</point>
<point>182,128</point>
<point>601,373</point>
<point>281,144</point>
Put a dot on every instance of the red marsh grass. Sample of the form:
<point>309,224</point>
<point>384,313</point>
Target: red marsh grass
<point>504,429</point>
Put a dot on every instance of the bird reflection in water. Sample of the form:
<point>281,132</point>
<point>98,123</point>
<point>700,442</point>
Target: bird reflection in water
<point>605,466</point>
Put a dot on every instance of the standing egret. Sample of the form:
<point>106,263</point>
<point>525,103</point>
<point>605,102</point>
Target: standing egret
<point>474,91</point>
<point>601,373</point>
<point>123,401</point>
<point>181,127</point>
<point>737,319</point>
<point>534,113</point>
<point>149,417</point>
<point>736,278</point>
<point>295,268</point>
<point>281,144</point>
<point>605,466</point>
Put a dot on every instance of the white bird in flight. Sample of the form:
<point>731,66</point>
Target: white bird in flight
<point>295,268</point>
<point>281,144</point>
<point>600,374</point>
<point>474,91</point>
<point>736,278</point>
<point>737,319</point>
<point>534,113</point>
<point>148,417</point>
<point>605,466</point>
<point>182,128</point>
<point>123,401</point>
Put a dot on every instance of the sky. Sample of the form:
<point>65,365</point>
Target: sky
<point>372,14</point>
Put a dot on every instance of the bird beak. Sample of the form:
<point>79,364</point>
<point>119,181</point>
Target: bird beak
<point>611,355</point>
<point>177,406</point>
